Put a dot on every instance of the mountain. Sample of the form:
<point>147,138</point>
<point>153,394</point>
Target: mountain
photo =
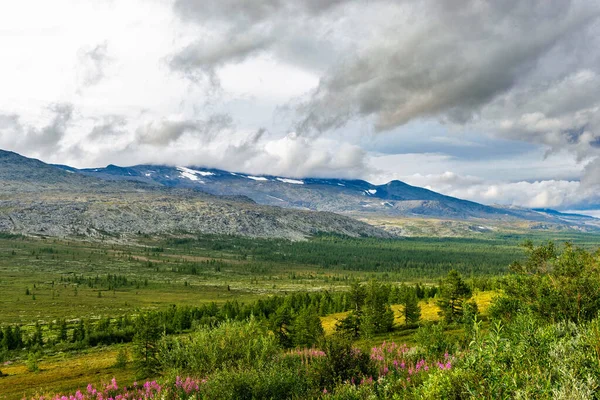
<point>334,195</point>
<point>41,199</point>
<point>357,198</point>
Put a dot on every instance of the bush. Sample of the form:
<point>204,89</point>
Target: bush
<point>230,345</point>
<point>277,381</point>
<point>122,358</point>
<point>433,341</point>
<point>341,363</point>
<point>32,361</point>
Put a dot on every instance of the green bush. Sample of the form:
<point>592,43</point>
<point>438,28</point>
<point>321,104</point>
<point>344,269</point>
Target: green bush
<point>230,345</point>
<point>277,381</point>
<point>341,363</point>
<point>433,341</point>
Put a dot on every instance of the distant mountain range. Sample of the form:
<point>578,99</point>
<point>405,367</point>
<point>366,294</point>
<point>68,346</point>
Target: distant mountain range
<point>58,200</point>
<point>41,199</point>
<point>350,197</point>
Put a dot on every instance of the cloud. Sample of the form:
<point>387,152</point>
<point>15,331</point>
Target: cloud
<point>526,71</point>
<point>92,64</point>
<point>448,64</point>
<point>591,175</point>
<point>202,58</point>
<point>166,132</point>
<point>45,140</point>
<point>560,194</point>
<point>292,30</point>
<point>109,126</point>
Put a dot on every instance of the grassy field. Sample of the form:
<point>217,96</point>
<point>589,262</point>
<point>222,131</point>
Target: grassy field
<point>43,280</point>
<point>62,373</point>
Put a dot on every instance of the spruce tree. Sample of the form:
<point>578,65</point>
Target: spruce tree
<point>62,330</point>
<point>411,309</point>
<point>307,329</point>
<point>453,293</point>
<point>145,345</point>
<point>378,316</point>
<point>351,325</point>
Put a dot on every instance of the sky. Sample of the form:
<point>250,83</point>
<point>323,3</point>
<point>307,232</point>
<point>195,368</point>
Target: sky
<point>491,101</point>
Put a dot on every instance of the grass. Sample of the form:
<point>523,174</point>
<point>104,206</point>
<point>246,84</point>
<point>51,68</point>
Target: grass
<point>62,373</point>
<point>68,279</point>
<point>429,311</point>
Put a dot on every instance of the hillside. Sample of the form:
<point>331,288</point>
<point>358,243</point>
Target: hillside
<point>40,199</point>
<point>357,198</point>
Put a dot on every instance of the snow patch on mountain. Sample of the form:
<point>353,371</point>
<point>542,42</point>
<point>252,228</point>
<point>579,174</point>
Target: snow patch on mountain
<point>257,178</point>
<point>276,198</point>
<point>294,181</point>
<point>194,171</point>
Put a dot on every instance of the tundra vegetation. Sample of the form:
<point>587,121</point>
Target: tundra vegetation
<point>223,317</point>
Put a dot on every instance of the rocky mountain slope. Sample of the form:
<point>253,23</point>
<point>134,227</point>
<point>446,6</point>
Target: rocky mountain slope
<point>352,197</point>
<point>40,199</point>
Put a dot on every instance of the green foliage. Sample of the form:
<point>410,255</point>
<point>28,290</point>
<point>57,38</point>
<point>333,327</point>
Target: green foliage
<point>370,311</point>
<point>145,345</point>
<point>411,309</point>
<point>342,363</point>
<point>230,345</point>
<point>453,292</point>
<point>378,316</point>
<point>307,329</point>
<point>433,341</point>
<point>555,285</point>
<point>280,323</point>
<point>62,330</point>
<point>32,361</point>
<point>122,358</point>
<point>271,382</point>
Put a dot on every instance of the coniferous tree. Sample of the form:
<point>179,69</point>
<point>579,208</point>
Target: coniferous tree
<point>280,322</point>
<point>79,332</point>
<point>378,316</point>
<point>411,308</point>
<point>453,293</point>
<point>351,325</point>
<point>37,340</point>
<point>62,330</point>
<point>307,329</point>
<point>145,345</point>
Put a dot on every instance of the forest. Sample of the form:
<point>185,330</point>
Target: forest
<point>231,318</point>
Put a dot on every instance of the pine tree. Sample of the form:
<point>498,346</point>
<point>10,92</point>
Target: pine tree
<point>145,345</point>
<point>351,325</point>
<point>62,330</point>
<point>453,292</point>
<point>307,329</point>
<point>378,316</point>
<point>411,309</point>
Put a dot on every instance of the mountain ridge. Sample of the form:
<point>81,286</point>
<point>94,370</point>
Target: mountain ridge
<point>354,197</point>
<point>41,199</point>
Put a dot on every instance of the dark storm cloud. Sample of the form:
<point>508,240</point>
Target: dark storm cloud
<point>453,64</point>
<point>248,28</point>
<point>50,136</point>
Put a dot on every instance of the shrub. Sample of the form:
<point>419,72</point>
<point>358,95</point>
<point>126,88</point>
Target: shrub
<point>277,381</point>
<point>230,345</point>
<point>433,341</point>
<point>122,358</point>
<point>341,363</point>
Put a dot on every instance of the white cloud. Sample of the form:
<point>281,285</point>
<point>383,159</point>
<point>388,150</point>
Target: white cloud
<point>88,83</point>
